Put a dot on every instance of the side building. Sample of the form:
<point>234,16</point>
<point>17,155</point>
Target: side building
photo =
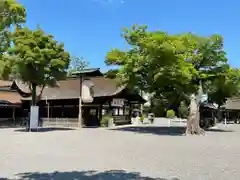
<point>11,109</point>
<point>60,105</point>
<point>232,109</point>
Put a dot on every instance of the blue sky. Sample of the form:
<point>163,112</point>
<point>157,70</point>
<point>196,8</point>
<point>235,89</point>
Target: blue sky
<point>90,28</point>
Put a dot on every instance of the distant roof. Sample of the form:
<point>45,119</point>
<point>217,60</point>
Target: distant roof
<point>10,96</point>
<point>70,88</point>
<point>92,72</point>
<point>7,94</point>
<point>5,83</point>
<point>233,104</point>
<point>208,105</point>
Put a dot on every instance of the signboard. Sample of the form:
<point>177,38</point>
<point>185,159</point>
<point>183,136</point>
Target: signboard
<point>118,102</point>
<point>34,117</point>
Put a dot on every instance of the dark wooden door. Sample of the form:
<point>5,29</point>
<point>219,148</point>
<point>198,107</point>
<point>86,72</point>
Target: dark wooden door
<point>90,116</point>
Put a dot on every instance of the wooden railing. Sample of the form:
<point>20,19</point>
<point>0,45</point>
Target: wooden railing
<point>121,120</point>
<point>59,122</point>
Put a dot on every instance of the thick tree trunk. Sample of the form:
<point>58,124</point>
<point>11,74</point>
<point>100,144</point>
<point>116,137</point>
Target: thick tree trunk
<point>193,126</point>
<point>39,96</point>
<point>219,115</point>
<point>34,94</point>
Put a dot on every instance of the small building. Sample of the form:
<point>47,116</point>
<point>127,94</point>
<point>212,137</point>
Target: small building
<point>60,105</point>
<point>10,103</point>
<point>208,113</point>
<point>232,109</point>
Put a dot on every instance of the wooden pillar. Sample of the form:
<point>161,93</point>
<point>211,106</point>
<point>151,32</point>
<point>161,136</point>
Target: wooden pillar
<point>130,110</point>
<point>62,109</point>
<point>50,111</point>
<point>238,118</point>
<point>99,115</point>
<point>227,115</point>
<point>13,116</point>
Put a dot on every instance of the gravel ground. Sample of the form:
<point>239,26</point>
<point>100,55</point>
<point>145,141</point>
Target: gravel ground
<point>149,153</point>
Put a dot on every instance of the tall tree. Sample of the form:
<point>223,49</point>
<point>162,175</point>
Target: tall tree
<point>37,59</point>
<point>77,64</point>
<point>171,66</point>
<point>11,13</point>
<point>209,60</point>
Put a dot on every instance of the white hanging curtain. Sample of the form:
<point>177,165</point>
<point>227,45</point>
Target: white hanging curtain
<point>87,95</point>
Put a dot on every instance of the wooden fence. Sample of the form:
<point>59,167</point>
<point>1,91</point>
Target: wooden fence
<point>59,122</point>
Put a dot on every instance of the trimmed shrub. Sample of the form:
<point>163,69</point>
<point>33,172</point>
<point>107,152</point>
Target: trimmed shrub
<point>104,121</point>
<point>170,114</point>
<point>142,118</point>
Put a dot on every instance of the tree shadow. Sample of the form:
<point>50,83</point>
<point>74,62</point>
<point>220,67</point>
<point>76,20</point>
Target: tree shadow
<point>87,175</point>
<point>156,130</point>
<point>218,130</point>
<point>45,129</point>
<point>162,130</point>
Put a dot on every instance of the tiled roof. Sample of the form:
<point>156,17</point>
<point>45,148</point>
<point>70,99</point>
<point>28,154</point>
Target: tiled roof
<point>70,88</point>
<point>66,89</point>
<point>93,72</point>
<point>233,104</point>
<point>10,96</point>
<point>5,83</point>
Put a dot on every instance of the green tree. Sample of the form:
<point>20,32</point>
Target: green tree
<point>77,64</point>
<point>154,61</point>
<point>158,106</point>
<point>172,66</point>
<point>209,60</point>
<point>37,59</point>
<point>224,87</point>
<point>11,13</point>
<point>112,73</point>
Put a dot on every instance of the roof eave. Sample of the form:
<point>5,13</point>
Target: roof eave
<point>88,72</point>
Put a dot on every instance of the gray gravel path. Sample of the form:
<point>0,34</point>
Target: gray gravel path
<point>135,153</point>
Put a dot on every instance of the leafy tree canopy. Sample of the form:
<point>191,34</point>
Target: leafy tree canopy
<point>154,58</point>
<point>11,13</point>
<point>222,88</point>
<point>112,73</point>
<point>168,65</point>
<point>36,58</point>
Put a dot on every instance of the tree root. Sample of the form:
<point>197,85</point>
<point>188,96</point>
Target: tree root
<point>199,132</point>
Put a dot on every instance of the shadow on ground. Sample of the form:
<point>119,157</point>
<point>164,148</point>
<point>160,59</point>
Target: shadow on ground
<point>218,130</point>
<point>46,129</point>
<point>156,130</point>
<point>87,175</point>
<point>160,130</point>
